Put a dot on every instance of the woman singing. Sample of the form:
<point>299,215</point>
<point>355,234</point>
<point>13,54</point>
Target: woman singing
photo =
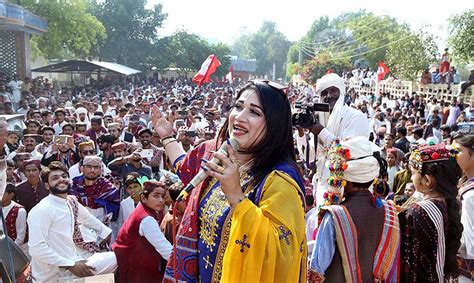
<point>245,222</point>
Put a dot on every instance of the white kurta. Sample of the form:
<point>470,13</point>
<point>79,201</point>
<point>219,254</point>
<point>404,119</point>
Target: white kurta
<point>126,208</point>
<point>51,245</point>
<point>20,224</point>
<point>150,229</point>
<point>467,219</point>
<point>58,127</point>
<point>353,123</point>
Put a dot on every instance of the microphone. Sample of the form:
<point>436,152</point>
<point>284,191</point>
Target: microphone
<point>202,174</point>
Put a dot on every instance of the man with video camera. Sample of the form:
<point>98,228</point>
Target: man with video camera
<point>341,122</point>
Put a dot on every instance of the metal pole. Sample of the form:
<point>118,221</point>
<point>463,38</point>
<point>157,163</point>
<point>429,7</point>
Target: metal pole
<point>4,237</point>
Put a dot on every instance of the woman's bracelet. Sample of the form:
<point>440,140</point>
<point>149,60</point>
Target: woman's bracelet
<point>168,141</point>
<point>167,137</point>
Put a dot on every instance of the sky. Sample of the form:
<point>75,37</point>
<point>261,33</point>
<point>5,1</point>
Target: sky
<point>226,20</point>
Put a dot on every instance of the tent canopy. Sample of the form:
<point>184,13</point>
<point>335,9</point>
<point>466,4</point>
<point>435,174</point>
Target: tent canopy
<point>81,66</point>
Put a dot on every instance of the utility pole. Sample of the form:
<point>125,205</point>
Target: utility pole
<point>274,75</point>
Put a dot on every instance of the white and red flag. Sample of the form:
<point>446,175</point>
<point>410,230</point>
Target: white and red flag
<point>207,69</point>
<point>230,75</point>
<point>382,71</point>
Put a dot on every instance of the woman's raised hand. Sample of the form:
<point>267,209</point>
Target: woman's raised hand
<point>160,124</point>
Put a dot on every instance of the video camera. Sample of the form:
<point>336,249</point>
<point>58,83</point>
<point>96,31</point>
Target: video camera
<point>308,114</point>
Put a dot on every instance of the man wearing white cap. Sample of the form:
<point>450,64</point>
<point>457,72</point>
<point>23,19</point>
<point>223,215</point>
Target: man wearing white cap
<point>358,239</point>
<point>343,122</point>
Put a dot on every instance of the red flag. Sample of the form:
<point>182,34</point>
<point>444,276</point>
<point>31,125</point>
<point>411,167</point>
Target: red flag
<point>207,69</point>
<point>230,75</point>
<point>382,71</point>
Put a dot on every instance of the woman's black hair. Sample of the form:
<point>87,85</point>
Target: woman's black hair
<point>466,140</point>
<point>277,144</point>
<point>447,174</point>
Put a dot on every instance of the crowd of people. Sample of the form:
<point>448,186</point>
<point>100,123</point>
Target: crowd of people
<point>378,189</point>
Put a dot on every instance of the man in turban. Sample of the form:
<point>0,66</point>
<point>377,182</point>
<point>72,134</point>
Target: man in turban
<point>343,122</point>
<point>358,239</point>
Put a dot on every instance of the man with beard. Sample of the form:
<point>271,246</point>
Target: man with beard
<point>96,193</point>
<point>120,136</point>
<point>61,152</point>
<point>156,161</point>
<point>105,143</point>
<point>343,122</point>
<point>30,192</point>
<point>85,148</point>
<point>28,145</point>
<point>57,249</point>
<point>48,135</point>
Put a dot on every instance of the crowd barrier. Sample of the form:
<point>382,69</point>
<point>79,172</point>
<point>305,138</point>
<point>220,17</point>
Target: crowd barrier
<point>400,88</point>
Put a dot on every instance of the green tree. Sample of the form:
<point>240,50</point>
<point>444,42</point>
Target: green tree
<point>268,45</point>
<point>187,51</point>
<point>461,38</point>
<point>131,30</point>
<point>372,36</point>
<point>222,51</point>
<point>412,55</point>
<point>320,65</point>
<point>72,30</point>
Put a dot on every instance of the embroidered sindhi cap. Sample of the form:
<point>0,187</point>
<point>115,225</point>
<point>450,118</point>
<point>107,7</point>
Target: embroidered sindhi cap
<point>434,153</point>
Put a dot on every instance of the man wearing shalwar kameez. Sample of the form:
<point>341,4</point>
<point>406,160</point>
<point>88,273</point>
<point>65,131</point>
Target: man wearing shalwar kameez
<point>56,246</point>
<point>358,239</point>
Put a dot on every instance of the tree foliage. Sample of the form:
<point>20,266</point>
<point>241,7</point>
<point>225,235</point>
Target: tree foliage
<point>461,38</point>
<point>361,39</point>
<point>187,51</point>
<point>413,55</point>
<point>131,31</point>
<point>372,36</point>
<point>318,66</point>
<point>268,45</point>
<point>72,30</point>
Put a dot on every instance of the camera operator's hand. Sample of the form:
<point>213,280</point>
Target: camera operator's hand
<point>316,128</point>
